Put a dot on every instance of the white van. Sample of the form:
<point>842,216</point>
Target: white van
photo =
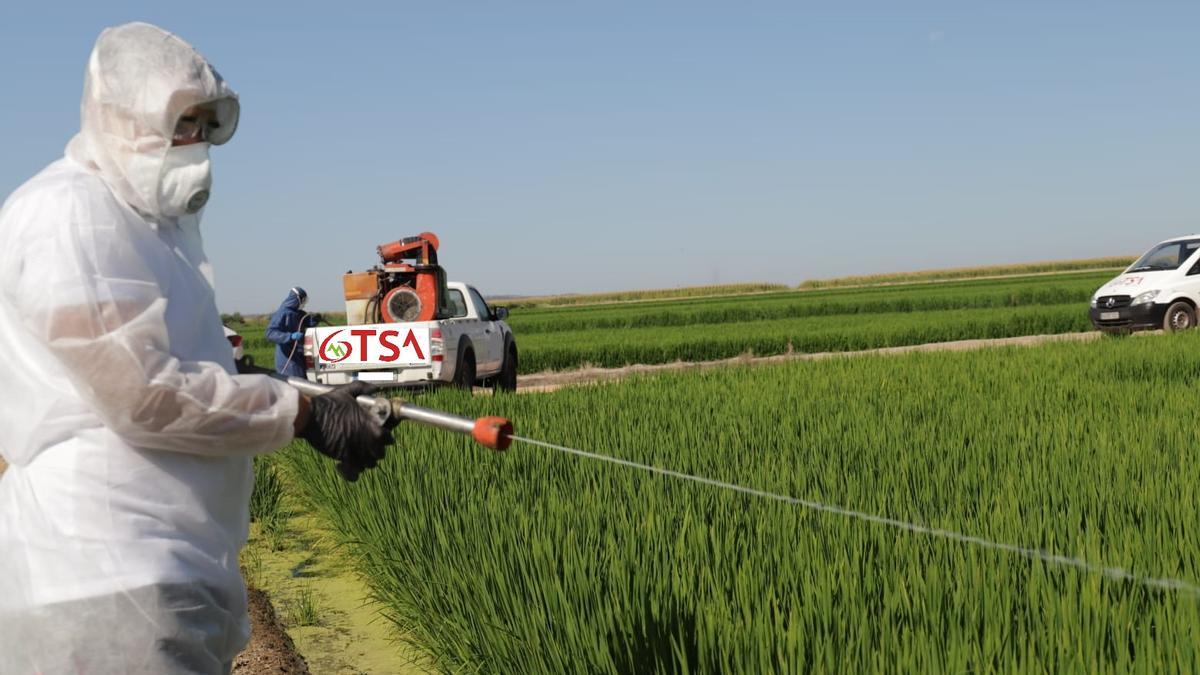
<point>1160,290</point>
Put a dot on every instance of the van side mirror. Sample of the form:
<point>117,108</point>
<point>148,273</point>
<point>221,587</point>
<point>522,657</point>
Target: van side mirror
<point>1195,269</point>
<point>499,313</point>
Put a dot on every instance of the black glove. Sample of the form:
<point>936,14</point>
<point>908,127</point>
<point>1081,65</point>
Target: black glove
<point>339,428</point>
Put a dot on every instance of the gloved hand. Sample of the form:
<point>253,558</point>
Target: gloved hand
<point>339,428</point>
<point>297,335</point>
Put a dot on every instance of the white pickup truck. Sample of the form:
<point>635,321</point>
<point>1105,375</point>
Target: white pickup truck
<point>472,346</point>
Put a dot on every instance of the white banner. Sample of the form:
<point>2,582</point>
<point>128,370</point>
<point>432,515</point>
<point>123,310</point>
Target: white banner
<point>380,346</point>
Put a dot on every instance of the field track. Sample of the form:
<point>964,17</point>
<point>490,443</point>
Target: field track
<point>552,380</point>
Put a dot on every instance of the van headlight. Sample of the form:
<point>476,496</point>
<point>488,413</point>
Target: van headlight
<point>1093,303</point>
<point>1144,298</point>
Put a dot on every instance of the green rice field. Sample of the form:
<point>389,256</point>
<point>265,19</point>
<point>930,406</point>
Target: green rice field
<point>534,561</point>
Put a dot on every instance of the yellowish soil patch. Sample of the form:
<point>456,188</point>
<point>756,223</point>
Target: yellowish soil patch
<point>325,606</point>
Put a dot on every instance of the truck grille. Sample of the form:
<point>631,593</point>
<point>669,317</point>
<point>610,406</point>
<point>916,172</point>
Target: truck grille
<point>1112,301</point>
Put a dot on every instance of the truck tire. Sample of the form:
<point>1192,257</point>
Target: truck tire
<point>1179,316</point>
<point>464,372</point>
<point>507,379</point>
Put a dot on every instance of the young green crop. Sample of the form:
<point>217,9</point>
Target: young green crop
<point>614,348</point>
<point>538,562</point>
<point>268,505</point>
<point>837,320</point>
<point>1059,289</point>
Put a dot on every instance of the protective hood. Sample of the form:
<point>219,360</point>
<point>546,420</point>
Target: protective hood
<point>139,80</point>
<point>293,300</point>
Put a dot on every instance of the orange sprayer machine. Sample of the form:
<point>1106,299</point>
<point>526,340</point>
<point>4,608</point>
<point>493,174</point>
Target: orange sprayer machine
<point>407,284</point>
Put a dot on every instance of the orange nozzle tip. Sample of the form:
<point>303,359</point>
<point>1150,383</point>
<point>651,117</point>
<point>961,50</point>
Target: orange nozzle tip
<point>493,432</point>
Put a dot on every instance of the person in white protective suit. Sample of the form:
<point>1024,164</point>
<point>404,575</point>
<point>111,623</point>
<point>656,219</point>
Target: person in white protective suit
<point>128,435</point>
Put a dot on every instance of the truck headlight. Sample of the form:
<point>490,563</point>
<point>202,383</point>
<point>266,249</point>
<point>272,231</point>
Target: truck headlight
<point>1144,298</point>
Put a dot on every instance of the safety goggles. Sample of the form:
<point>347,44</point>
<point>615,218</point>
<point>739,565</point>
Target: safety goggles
<point>195,126</point>
<point>212,122</point>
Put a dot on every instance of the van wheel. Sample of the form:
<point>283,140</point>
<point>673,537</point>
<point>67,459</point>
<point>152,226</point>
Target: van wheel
<point>464,373</point>
<point>507,379</point>
<point>1179,316</point>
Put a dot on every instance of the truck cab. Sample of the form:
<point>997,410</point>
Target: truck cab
<point>470,345</point>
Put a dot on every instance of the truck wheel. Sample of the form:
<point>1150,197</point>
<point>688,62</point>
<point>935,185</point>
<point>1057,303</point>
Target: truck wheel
<point>464,374</point>
<point>507,379</point>
<point>1179,316</point>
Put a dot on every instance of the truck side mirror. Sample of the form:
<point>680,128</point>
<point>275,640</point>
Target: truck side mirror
<point>500,313</point>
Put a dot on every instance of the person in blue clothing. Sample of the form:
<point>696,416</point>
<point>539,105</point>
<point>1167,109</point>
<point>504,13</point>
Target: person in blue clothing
<point>287,331</point>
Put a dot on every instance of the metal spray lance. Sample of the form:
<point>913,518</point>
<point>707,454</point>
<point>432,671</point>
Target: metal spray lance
<point>491,432</point>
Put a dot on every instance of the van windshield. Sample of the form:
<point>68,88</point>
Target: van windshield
<point>1166,256</point>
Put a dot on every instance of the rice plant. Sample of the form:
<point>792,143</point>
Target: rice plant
<point>268,507</point>
<point>252,566</point>
<point>304,608</point>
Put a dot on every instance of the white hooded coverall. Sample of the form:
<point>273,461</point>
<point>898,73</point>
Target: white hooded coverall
<point>128,437</point>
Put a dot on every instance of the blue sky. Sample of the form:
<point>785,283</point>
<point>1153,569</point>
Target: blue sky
<point>574,147</point>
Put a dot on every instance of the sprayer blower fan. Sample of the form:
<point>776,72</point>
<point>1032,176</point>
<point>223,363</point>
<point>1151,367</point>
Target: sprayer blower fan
<point>401,304</point>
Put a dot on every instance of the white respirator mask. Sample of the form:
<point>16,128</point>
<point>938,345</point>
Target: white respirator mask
<point>185,179</point>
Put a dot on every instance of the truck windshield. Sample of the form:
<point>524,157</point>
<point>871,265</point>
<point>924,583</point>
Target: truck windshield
<point>1166,256</point>
<point>485,312</point>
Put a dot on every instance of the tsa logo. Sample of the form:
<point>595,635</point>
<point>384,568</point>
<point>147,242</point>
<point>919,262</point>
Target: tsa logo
<point>374,346</point>
<point>337,352</point>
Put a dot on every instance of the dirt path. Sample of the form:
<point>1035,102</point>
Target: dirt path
<point>552,380</point>
<point>325,606</point>
<point>270,649</point>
